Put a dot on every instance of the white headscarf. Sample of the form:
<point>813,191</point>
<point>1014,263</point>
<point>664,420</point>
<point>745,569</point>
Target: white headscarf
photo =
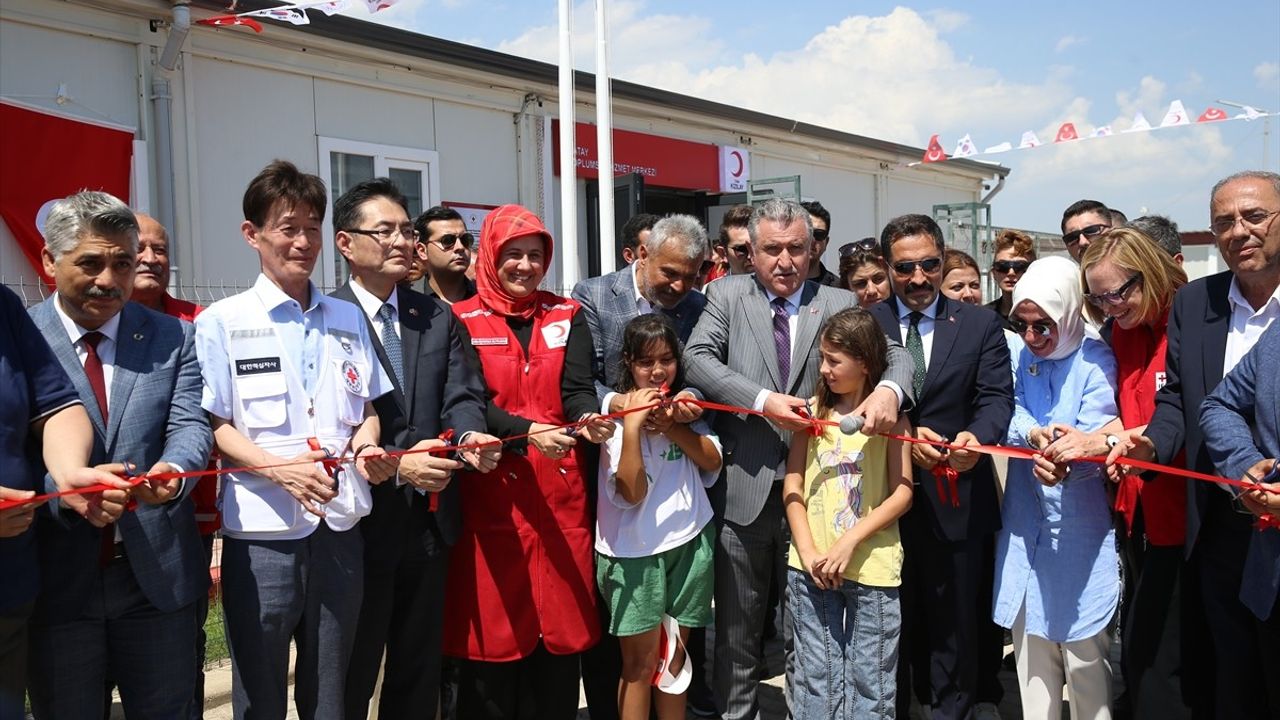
<point>1053,283</point>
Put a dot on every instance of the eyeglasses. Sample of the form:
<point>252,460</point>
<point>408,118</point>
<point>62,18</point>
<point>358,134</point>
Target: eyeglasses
<point>1004,266</point>
<point>1251,219</point>
<point>863,245</point>
<point>387,235</point>
<point>447,241</point>
<point>743,251</point>
<point>1039,328</point>
<point>820,235</point>
<point>1115,297</point>
<point>1090,232</point>
<point>908,267</point>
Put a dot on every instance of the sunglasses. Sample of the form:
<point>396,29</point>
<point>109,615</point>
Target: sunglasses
<point>1090,232</point>
<point>863,245</point>
<point>1004,266</point>
<point>820,235</point>
<point>1039,328</point>
<point>908,267</point>
<point>1115,297</point>
<point>446,242</point>
<point>742,251</point>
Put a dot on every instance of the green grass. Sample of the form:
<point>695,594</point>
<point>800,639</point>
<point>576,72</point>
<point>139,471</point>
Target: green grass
<point>215,650</point>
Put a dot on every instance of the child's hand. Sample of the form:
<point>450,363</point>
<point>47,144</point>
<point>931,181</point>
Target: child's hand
<point>661,419</point>
<point>639,399</point>
<point>833,564</point>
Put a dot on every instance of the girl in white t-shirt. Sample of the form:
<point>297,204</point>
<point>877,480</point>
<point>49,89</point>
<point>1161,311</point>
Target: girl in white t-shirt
<point>654,537</point>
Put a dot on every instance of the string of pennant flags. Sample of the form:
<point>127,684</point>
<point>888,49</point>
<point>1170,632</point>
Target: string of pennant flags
<point>1177,115</point>
<point>292,13</point>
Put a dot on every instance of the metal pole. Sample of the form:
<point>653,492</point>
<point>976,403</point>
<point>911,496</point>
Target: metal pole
<point>604,139</point>
<point>568,153</point>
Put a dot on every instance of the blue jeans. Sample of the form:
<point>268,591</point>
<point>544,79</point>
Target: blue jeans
<point>846,649</point>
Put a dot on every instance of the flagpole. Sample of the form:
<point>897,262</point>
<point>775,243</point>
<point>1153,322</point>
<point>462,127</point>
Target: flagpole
<point>1266,128</point>
<point>604,140</point>
<point>568,149</point>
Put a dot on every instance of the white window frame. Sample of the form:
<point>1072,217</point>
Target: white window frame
<point>385,159</point>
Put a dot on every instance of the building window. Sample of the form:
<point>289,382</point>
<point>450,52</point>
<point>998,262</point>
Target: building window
<point>346,163</point>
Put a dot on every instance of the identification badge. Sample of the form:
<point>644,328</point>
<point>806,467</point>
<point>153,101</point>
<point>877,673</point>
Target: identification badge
<point>1161,380</point>
<point>489,341</point>
<point>556,334</point>
<point>351,376</point>
<point>257,366</point>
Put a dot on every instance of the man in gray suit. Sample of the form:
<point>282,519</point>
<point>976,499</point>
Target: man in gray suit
<point>119,601</point>
<point>756,346</point>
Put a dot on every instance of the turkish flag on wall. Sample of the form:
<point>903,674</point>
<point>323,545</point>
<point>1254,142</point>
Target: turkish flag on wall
<point>47,157</point>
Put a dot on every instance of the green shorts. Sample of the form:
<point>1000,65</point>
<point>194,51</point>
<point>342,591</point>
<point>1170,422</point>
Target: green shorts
<point>678,582</point>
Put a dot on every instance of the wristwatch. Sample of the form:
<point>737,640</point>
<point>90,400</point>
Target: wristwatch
<point>1112,441</point>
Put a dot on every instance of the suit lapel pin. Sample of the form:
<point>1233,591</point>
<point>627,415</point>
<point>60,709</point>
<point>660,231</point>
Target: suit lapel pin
<point>951,318</point>
<point>813,311</point>
<point>137,336</point>
<point>413,311</point>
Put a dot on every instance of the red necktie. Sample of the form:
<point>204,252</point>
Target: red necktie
<point>98,382</point>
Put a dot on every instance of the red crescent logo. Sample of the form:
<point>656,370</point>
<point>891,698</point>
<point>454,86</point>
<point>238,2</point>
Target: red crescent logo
<point>1212,115</point>
<point>558,331</point>
<point>741,166</point>
<point>933,155</point>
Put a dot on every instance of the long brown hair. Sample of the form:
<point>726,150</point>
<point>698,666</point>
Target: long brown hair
<point>855,333</point>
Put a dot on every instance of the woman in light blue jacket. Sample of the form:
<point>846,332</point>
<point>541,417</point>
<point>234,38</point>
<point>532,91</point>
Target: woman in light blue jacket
<point>1057,579</point>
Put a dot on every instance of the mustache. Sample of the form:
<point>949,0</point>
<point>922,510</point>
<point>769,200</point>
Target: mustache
<point>912,287</point>
<point>153,268</point>
<point>93,291</point>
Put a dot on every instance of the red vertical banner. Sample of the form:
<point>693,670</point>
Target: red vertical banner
<point>47,157</point>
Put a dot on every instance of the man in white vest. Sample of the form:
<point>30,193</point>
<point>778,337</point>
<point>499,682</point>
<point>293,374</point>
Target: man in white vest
<point>289,379</point>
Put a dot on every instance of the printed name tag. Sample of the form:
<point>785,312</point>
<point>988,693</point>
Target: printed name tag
<point>257,366</point>
<point>489,341</point>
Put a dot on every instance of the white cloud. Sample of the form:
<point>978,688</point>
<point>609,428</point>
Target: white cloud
<point>1266,74</point>
<point>1067,41</point>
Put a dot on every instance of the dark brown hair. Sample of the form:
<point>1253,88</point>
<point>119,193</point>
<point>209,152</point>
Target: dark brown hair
<point>855,333</point>
<point>282,181</point>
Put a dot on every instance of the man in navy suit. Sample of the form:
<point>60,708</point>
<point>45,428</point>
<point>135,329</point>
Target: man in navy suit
<point>406,540</point>
<point>119,601</point>
<point>1214,322</point>
<point>964,393</point>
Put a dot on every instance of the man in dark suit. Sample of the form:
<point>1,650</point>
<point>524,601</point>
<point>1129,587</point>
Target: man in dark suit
<point>1213,323</point>
<point>964,393</point>
<point>119,602</point>
<point>661,279</point>
<point>756,346</point>
<point>406,540</point>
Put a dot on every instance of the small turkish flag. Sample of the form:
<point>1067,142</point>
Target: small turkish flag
<point>935,153</point>
<point>1212,115</point>
<point>1066,133</point>
<point>230,20</point>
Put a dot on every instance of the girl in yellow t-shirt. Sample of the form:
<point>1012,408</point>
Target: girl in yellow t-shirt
<point>843,496</point>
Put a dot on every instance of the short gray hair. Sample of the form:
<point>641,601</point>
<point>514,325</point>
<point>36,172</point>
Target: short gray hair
<point>1160,229</point>
<point>781,211</point>
<point>87,212</point>
<point>685,230</point>
<point>1262,175</point>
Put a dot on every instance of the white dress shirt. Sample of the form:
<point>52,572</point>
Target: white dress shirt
<point>1247,324</point>
<point>372,305</point>
<point>106,346</point>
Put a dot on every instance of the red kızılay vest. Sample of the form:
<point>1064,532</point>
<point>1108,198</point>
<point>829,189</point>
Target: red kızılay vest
<point>522,568</point>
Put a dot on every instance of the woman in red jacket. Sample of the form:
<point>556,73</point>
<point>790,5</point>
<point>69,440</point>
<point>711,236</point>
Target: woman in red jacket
<point>520,597</point>
<point>1130,282</point>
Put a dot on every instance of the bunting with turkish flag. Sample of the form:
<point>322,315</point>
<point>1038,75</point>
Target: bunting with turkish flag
<point>935,153</point>
<point>48,157</point>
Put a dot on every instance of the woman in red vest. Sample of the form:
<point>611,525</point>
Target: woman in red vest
<point>520,598</point>
<point>1130,282</point>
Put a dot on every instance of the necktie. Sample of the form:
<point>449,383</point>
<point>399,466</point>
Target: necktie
<point>98,383</point>
<point>782,341</point>
<point>391,342</point>
<point>93,370</point>
<point>916,348</point>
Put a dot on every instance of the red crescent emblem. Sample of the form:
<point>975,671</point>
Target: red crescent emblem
<point>1212,115</point>
<point>741,165</point>
<point>1066,132</point>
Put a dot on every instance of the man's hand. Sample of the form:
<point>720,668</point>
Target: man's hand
<point>782,411</point>
<point>964,460</point>
<point>596,428</point>
<point>880,410</point>
<point>685,412</point>
<point>376,465</point>
<point>1133,444</point>
<point>158,492</point>
<point>1259,501</point>
<point>428,471</point>
<point>15,521</point>
<point>100,509</point>
<point>926,456</point>
<point>1071,444</point>
<point>305,480</point>
<point>484,458</point>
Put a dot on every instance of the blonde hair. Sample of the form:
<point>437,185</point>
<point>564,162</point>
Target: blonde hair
<point>1133,250</point>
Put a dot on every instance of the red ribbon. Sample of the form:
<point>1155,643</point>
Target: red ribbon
<point>944,471</point>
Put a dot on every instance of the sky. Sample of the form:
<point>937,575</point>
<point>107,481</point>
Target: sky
<point>991,70</point>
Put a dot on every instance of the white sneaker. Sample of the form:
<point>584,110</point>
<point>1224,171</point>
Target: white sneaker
<point>986,711</point>
<point>669,644</point>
